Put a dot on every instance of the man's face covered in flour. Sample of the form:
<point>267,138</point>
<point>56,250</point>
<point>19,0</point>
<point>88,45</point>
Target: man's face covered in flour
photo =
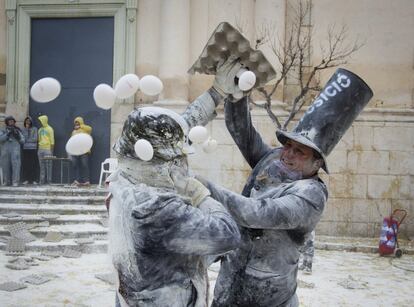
<point>298,160</point>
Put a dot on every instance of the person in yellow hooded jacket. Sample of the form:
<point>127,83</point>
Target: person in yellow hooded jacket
<point>46,144</point>
<point>80,164</point>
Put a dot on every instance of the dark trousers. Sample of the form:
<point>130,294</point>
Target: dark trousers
<point>30,165</point>
<point>80,168</point>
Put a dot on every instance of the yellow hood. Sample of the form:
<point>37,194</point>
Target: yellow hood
<point>83,127</point>
<point>44,120</point>
<point>79,120</point>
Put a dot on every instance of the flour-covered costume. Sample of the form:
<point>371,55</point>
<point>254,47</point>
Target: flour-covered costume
<point>278,208</point>
<point>158,238</point>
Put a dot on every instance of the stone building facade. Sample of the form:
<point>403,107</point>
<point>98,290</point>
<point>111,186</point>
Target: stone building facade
<point>372,168</point>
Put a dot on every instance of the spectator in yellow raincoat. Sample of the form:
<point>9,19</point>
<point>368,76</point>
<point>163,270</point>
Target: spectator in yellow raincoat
<point>80,164</point>
<point>46,144</point>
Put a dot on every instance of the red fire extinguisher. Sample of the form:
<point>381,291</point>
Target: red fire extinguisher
<point>388,243</point>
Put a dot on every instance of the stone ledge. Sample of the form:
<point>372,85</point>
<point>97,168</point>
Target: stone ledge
<point>357,244</point>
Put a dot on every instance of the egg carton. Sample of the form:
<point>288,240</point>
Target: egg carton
<point>227,41</point>
<point>36,279</point>
<point>20,231</point>
<point>15,247</point>
<point>12,286</point>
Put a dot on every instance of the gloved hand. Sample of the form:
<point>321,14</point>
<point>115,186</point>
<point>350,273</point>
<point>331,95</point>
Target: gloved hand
<point>16,134</point>
<point>9,131</point>
<point>13,132</point>
<point>189,186</point>
<point>224,83</point>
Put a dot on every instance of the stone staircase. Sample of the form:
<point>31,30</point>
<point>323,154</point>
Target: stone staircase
<point>73,212</point>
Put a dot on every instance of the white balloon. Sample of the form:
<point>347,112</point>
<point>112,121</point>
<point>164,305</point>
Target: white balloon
<point>104,96</point>
<point>247,80</point>
<point>79,144</point>
<point>45,90</point>
<point>144,150</point>
<point>126,86</point>
<point>151,85</point>
<point>198,134</point>
<point>210,145</point>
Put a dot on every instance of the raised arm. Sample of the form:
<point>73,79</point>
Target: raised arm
<point>239,124</point>
<point>202,110</point>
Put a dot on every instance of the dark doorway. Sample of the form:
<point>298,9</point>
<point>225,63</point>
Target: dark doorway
<point>79,53</point>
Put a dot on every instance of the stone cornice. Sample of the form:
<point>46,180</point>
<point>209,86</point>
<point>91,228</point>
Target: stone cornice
<point>281,110</point>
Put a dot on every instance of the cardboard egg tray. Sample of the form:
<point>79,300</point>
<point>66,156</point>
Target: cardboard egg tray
<point>227,41</point>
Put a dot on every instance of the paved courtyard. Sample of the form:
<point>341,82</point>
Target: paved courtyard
<point>339,279</point>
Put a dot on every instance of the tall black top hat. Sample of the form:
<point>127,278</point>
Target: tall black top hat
<point>331,113</point>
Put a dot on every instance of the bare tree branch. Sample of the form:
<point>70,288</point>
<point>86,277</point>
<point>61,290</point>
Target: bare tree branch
<point>293,55</point>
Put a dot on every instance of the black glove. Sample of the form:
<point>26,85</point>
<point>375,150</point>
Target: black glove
<point>9,131</point>
<point>13,132</point>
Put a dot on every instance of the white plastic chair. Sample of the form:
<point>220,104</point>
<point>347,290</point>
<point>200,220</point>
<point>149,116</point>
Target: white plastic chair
<point>112,164</point>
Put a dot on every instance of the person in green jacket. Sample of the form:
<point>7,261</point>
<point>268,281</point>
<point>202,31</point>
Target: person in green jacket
<point>46,144</point>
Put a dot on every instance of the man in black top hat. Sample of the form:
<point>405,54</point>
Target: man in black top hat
<point>283,198</point>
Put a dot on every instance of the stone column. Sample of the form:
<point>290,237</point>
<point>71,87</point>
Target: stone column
<point>174,51</point>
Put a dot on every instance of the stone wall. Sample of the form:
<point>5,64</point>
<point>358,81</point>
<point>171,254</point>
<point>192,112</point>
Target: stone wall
<point>371,170</point>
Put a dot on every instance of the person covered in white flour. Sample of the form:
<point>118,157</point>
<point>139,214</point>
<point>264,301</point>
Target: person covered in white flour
<point>284,197</point>
<point>160,232</point>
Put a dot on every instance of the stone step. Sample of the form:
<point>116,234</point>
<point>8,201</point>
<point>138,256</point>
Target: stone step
<point>51,190</point>
<point>64,219</point>
<point>99,246</point>
<point>38,199</point>
<point>61,209</point>
<point>85,230</point>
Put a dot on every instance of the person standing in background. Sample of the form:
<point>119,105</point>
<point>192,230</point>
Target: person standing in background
<point>80,164</point>
<point>46,141</point>
<point>30,162</point>
<point>11,138</point>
